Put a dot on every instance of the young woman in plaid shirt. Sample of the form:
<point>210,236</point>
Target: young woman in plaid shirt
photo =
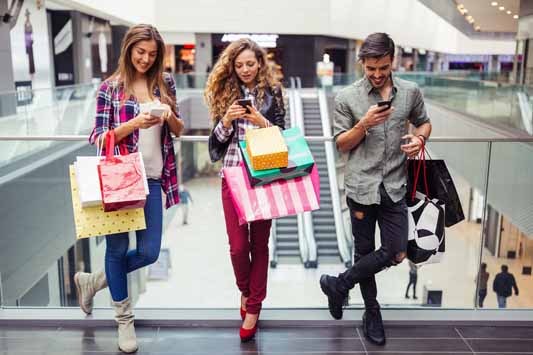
<point>242,71</point>
<point>123,105</point>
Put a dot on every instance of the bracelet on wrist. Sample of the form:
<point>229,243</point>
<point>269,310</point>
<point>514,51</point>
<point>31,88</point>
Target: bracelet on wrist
<point>364,127</point>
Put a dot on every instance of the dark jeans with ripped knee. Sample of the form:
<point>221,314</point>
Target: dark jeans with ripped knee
<point>393,224</point>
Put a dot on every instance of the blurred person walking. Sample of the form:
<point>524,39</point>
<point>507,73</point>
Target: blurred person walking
<point>482,279</point>
<point>503,285</point>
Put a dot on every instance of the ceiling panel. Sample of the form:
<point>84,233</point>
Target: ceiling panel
<point>491,18</point>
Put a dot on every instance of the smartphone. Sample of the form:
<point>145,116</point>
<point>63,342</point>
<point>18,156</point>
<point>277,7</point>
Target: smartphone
<point>385,104</point>
<point>157,112</point>
<point>245,103</point>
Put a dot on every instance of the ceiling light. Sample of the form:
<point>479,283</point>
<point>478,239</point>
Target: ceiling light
<point>494,3</point>
<point>509,12</point>
<point>501,8</point>
<point>515,16</point>
<point>477,28</point>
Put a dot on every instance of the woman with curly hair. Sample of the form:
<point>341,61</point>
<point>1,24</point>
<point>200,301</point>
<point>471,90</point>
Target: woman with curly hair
<point>242,71</point>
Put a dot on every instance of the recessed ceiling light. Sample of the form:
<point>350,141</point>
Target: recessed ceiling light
<point>494,3</point>
<point>515,16</point>
<point>509,12</point>
<point>477,28</point>
<point>502,8</point>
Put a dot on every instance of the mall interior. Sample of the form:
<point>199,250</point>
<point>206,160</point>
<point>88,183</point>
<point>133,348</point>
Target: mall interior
<point>470,59</point>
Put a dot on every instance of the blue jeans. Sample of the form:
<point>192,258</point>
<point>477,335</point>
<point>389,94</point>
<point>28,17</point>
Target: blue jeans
<point>119,261</point>
<point>502,301</point>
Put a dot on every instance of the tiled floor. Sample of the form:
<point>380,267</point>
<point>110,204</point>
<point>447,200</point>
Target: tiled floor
<point>406,339</point>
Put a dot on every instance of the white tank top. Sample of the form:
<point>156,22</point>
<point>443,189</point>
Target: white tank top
<point>150,145</point>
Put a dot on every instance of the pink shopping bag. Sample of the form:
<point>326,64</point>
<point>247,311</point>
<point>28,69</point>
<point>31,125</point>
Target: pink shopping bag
<point>278,199</point>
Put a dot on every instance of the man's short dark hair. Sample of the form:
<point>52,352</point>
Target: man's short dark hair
<point>483,266</point>
<point>504,268</point>
<point>377,45</point>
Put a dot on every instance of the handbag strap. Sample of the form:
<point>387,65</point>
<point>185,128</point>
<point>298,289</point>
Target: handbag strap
<point>417,167</point>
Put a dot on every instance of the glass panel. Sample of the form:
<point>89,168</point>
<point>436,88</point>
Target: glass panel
<point>40,253</point>
<point>509,225</point>
<point>480,95</point>
<point>451,283</point>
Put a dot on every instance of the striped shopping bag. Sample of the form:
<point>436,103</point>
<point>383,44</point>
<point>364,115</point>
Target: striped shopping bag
<point>278,199</point>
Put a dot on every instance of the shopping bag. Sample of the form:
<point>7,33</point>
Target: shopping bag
<point>121,178</point>
<point>266,148</point>
<point>278,199</point>
<point>426,232</point>
<point>301,160</point>
<point>440,186</point>
<point>86,169</point>
<point>93,221</point>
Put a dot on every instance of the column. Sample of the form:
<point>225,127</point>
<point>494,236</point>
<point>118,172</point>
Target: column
<point>8,103</point>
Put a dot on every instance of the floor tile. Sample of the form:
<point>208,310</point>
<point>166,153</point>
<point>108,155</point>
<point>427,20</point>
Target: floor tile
<point>498,346</point>
<point>500,332</point>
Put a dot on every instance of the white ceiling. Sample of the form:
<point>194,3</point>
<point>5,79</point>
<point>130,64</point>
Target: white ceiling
<point>491,18</point>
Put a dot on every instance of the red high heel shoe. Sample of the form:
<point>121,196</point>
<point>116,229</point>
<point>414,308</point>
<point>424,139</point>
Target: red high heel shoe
<point>248,334</point>
<point>243,314</point>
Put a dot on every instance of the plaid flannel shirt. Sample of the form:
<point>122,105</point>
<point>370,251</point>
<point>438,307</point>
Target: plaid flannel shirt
<point>110,115</point>
<point>233,155</point>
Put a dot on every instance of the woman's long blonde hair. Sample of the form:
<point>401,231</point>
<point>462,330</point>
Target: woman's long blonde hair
<point>125,73</point>
<point>223,84</point>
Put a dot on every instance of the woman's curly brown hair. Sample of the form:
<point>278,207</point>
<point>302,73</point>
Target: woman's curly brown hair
<point>223,84</point>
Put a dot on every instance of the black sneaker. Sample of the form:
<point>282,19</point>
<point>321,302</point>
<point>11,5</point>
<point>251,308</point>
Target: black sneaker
<point>373,327</point>
<point>335,298</point>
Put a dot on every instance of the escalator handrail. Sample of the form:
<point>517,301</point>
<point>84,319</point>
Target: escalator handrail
<point>307,236</point>
<point>343,239</point>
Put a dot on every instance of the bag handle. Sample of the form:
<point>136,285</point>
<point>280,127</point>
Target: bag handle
<point>417,167</point>
<point>110,146</point>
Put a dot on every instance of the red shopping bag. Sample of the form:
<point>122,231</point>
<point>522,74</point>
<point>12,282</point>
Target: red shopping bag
<point>277,199</point>
<point>121,178</point>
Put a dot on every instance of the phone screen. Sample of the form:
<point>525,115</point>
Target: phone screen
<point>245,103</point>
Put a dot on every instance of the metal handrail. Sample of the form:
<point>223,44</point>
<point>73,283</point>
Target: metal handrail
<point>343,239</point>
<point>437,139</point>
<point>306,232</point>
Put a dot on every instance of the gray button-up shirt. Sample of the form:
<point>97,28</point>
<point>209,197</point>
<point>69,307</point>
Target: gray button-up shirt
<point>378,158</point>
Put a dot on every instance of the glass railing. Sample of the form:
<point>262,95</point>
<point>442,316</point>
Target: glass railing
<point>44,112</point>
<point>478,95</point>
<point>39,252</point>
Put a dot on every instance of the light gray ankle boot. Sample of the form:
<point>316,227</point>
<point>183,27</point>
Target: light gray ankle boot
<point>127,340</point>
<point>86,287</point>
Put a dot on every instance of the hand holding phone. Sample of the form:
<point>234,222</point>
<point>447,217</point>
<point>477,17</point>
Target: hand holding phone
<point>245,103</point>
<point>386,104</point>
<point>157,112</point>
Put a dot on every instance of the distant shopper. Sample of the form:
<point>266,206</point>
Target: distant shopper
<point>482,279</point>
<point>371,119</point>
<point>503,285</point>
<point>185,198</point>
<point>123,103</point>
<point>413,278</point>
<point>242,72</point>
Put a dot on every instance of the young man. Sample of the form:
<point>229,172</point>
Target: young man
<point>377,141</point>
